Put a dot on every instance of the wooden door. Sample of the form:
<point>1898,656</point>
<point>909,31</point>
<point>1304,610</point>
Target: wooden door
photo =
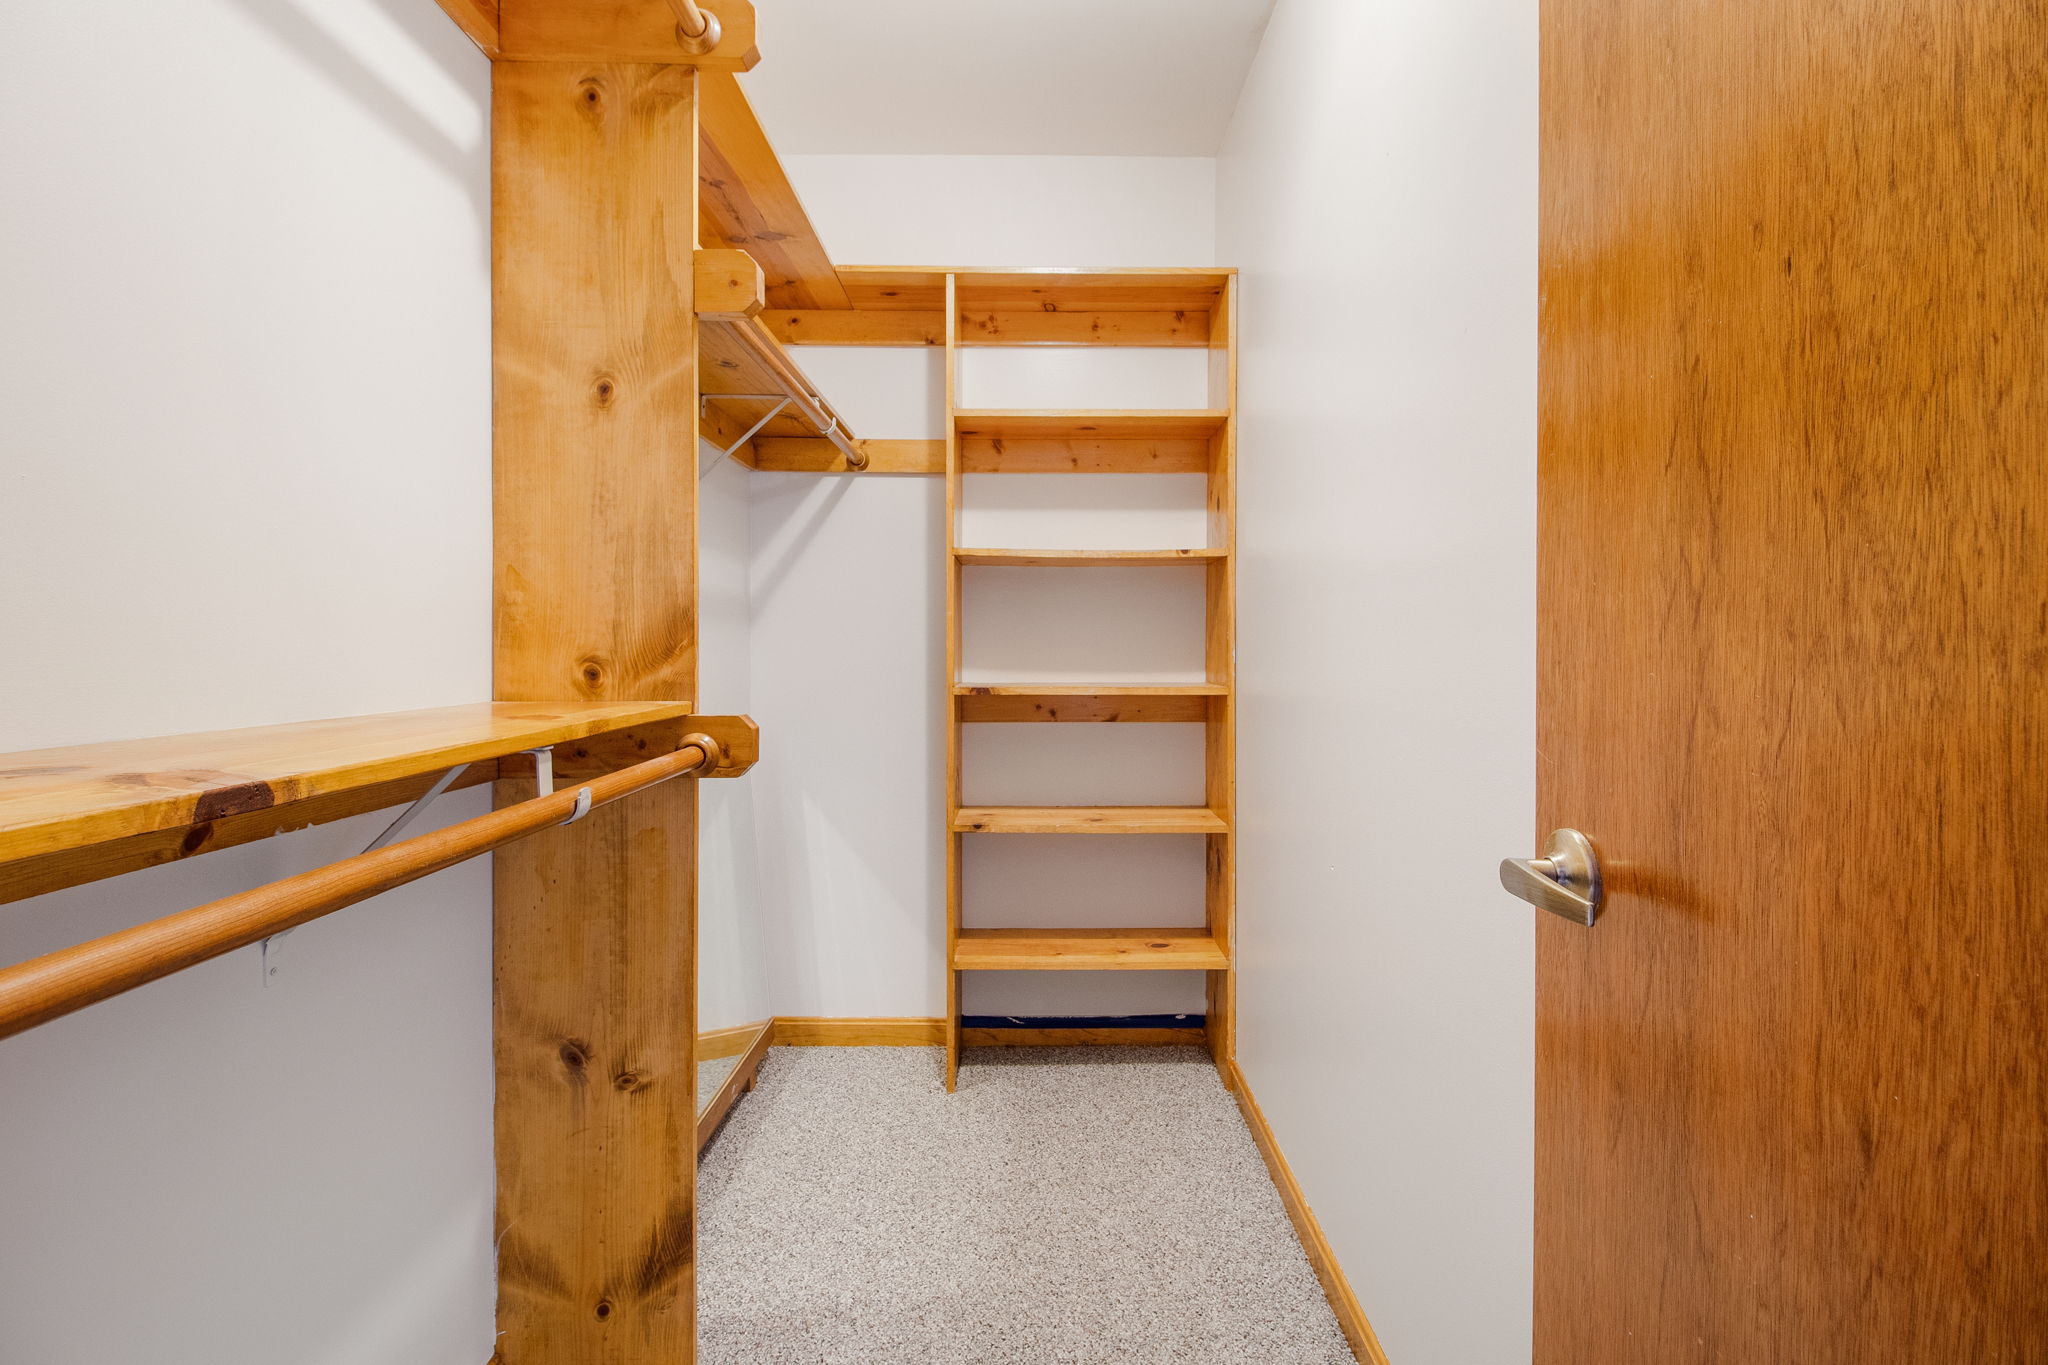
<point>1794,619</point>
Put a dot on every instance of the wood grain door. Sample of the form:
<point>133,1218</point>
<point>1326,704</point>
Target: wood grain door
<point>1794,619</point>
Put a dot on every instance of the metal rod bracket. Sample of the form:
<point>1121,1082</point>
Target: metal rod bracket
<point>766,418</point>
<point>270,946</point>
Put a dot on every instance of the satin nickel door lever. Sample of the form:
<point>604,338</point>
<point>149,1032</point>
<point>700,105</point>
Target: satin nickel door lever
<point>1565,880</point>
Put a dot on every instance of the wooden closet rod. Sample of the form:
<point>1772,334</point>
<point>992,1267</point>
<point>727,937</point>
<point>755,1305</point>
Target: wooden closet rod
<point>48,987</point>
<point>755,336</point>
<point>696,29</point>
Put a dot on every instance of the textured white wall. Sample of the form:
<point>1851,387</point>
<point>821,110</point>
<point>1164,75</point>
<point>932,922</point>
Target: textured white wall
<point>848,598</point>
<point>1378,191</point>
<point>245,458</point>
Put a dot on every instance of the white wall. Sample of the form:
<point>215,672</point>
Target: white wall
<point>245,459</point>
<point>1011,210</point>
<point>732,949</point>
<point>1378,191</point>
<point>848,597</point>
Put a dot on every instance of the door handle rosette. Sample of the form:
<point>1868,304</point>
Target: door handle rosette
<point>1565,880</point>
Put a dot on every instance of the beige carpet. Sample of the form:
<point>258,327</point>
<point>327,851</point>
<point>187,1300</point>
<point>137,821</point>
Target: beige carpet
<point>1069,1206</point>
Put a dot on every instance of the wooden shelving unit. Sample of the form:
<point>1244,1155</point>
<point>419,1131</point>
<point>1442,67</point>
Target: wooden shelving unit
<point>1043,308</point>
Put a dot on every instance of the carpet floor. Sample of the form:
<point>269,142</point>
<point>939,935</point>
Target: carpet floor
<point>1068,1206</point>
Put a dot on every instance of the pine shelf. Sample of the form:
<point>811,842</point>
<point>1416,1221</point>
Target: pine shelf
<point>55,799</point>
<point>1088,820</point>
<point>1077,441</point>
<point>1085,559</point>
<point>1189,703</point>
<point>1088,950</point>
<point>907,306</point>
<point>81,813</point>
<point>1129,424</point>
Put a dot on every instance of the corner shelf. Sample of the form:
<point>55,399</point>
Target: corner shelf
<point>1076,950</point>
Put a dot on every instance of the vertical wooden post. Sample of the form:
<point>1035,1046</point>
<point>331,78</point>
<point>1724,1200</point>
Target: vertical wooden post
<point>594,196</point>
<point>954,851</point>
<point>1221,648</point>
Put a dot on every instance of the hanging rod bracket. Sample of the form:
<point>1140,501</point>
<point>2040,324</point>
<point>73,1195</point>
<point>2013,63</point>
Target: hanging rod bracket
<point>420,803</point>
<point>766,418</point>
<point>271,945</point>
<point>731,744</point>
<point>544,783</point>
<point>543,770</point>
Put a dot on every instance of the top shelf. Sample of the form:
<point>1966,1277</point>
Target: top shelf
<point>908,288</point>
<point>887,305</point>
<point>746,201</point>
<point>52,800</point>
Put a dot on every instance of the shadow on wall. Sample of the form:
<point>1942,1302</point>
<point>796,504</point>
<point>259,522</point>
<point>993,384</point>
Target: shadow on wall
<point>848,627</point>
<point>765,579</point>
<point>437,39</point>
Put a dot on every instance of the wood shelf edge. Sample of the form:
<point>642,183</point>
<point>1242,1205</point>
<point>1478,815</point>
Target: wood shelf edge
<point>1091,690</point>
<point>1120,949</point>
<point>993,557</point>
<point>142,803</point>
<point>1088,820</point>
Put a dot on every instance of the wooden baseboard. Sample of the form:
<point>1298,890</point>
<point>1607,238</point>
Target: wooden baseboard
<point>1082,1037</point>
<point>812,1032</point>
<point>1350,1317</point>
<point>730,1042</point>
<point>791,1031</point>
